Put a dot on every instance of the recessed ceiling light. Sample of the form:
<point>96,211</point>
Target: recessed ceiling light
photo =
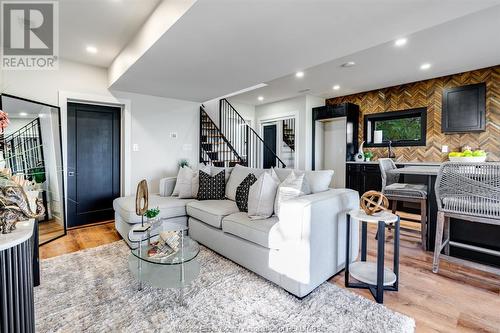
<point>400,41</point>
<point>348,64</point>
<point>23,114</point>
<point>91,49</point>
<point>425,66</point>
<point>299,74</point>
<point>336,87</point>
<point>260,98</point>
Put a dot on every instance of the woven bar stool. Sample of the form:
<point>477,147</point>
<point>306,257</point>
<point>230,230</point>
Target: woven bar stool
<point>395,191</point>
<point>470,192</point>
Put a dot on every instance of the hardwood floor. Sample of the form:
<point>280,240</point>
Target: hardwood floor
<point>80,239</point>
<point>457,299</point>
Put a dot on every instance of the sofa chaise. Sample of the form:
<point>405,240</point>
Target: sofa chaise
<point>298,252</point>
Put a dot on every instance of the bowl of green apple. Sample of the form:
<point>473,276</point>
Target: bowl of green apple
<point>468,156</point>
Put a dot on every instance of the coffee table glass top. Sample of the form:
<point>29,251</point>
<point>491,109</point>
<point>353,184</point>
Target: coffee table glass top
<point>187,252</point>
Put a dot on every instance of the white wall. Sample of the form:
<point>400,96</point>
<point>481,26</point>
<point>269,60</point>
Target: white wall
<point>152,118</point>
<point>301,108</point>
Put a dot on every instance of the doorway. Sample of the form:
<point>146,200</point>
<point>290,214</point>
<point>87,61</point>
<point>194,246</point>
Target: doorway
<point>270,136</point>
<point>93,162</point>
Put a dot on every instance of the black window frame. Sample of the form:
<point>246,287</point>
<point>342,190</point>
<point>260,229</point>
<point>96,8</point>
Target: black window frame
<point>391,115</point>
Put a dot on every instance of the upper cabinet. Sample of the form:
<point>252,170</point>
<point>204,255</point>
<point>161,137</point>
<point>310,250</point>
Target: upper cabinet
<point>464,109</point>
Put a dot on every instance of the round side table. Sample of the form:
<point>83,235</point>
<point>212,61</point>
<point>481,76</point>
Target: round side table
<point>373,275</point>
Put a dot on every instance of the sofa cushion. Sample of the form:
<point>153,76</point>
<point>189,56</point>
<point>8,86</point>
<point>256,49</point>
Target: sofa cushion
<point>263,232</point>
<point>211,211</point>
<point>169,207</point>
<point>237,175</point>
<point>295,185</point>
<point>319,180</point>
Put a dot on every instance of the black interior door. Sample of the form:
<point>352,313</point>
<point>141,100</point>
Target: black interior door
<point>270,135</point>
<point>93,162</point>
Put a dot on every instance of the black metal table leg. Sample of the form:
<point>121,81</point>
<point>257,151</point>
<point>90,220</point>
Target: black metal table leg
<point>347,250</point>
<point>396,255</point>
<point>380,262</point>
<point>363,240</point>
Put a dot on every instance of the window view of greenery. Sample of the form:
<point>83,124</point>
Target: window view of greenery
<point>404,129</point>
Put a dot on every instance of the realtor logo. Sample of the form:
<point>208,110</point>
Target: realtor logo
<point>29,35</point>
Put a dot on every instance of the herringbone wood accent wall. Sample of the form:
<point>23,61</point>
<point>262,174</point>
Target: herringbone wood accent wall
<point>429,94</point>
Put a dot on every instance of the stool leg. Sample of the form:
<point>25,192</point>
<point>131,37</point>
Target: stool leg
<point>446,235</point>
<point>380,262</point>
<point>438,242</point>
<point>423,221</point>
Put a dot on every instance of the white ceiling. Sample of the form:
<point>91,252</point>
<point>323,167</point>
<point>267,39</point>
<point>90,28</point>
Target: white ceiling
<point>222,46</point>
<point>106,24</point>
<point>464,44</point>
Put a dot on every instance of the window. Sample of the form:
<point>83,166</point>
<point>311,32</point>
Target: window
<point>401,128</point>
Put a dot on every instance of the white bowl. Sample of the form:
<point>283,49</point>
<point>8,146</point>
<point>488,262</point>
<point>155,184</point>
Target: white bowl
<point>476,159</point>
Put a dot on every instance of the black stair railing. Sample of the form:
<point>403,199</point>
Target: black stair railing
<point>246,142</point>
<point>289,132</point>
<point>23,151</point>
<point>215,149</point>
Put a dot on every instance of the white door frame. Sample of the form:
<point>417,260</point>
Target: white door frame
<point>66,97</point>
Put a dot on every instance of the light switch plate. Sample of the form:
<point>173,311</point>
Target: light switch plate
<point>444,149</point>
<point>135,147</point>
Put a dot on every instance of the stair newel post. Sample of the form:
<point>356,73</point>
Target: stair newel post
<point>247,145</point>
<point>201,136</point>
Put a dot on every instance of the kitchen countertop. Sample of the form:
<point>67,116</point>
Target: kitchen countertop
<point>23,232</point>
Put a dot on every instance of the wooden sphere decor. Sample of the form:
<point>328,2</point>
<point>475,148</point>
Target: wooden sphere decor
<point>372,202</point>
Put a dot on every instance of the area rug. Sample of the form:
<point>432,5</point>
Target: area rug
<point>93,291</point>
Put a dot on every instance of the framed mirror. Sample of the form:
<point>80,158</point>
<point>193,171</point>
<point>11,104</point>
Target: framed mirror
<point>31,149</point>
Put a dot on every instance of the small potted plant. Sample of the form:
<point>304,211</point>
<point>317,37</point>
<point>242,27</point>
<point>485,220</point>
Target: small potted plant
<point>368,156</point>
<point>183,163</point>
<point>152,213</point>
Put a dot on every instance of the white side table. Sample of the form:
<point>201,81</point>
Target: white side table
<point>371,275</point>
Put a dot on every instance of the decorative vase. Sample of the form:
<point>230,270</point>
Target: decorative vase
<point>360,156</point>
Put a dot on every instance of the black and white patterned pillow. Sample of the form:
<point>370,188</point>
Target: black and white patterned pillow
<point>212,187</point>
<point>242,192</point>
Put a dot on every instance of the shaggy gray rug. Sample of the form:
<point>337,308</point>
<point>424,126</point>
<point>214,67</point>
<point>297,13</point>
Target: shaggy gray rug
<point>93,291</point>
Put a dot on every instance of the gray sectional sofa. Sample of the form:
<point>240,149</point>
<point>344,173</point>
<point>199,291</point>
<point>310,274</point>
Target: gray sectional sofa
<point>298,252</point>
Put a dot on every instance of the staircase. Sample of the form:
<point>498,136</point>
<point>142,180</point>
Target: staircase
<point>215,149</point>
<point>289,133</point>
<point>234,142</point>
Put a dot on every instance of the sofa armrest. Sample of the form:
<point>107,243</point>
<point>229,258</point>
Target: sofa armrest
<point>303,215</point>
<point>313,228</point>
<point>167,186</point>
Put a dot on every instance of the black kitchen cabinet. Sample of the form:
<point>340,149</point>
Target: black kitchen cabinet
<point>363,177</point>
<point>464,109</point>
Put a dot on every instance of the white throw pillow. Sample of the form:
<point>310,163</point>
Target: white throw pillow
<point>237,175</point>
<point>319,180</point>
<point>295,185</point>
<point>196,178</point>
<point>184,184</point>
<point>262,194</point>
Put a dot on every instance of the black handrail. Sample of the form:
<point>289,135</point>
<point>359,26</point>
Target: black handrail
<point>251,136</point>
<point>214,131</point>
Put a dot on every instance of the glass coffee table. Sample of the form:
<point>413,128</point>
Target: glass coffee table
<point>177,270</point>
